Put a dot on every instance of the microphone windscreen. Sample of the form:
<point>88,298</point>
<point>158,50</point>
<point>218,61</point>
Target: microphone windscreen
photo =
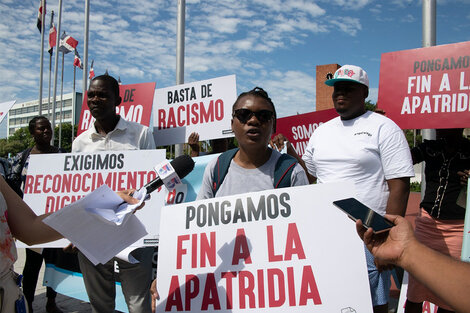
<point>183,165</point>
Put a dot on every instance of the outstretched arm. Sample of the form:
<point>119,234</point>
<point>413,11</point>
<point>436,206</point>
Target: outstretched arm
<point>446,277</point>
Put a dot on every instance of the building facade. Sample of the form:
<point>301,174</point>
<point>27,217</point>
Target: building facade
<point>21,113</point>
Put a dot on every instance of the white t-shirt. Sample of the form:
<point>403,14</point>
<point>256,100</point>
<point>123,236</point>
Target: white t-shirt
<point>368,150</point>
<point>241,180</point>
<point>125,136</point>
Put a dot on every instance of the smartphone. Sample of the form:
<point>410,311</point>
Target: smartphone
<point>358,211</point>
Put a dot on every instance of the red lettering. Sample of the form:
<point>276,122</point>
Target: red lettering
<point>261,288</point>
<point>28,186</point>
<point>190,293</point>
<point>195,118</point>
<point>228,287</point>
<point>194,250</point>
<point>174,295</point>
<point>85,186</point>
<point>77,178</point>
<point>293,243</point>
<point>291,285</point>
<point>273,302</point>
<point>240,249</point>
<point>208,250</point>
<point>63,202</point>
<point>161,119</point>
<point>121,181</point>
<point>246,284</point>
<point>211,296</point>
<point>219,109</point>
<point>308,289</point>
<point>46,189</point>
<point>207,116</point>
<point>271,256</point>
<point>179,112</point>
<point>66,183</point>
<point>171,118</point>
<point>37,184</point>
<point>49,204</point>
<point>180,251</point>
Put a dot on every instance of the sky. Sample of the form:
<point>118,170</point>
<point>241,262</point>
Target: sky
<point>273,44</point>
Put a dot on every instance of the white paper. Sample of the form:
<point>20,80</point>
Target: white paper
<point>94,229</point>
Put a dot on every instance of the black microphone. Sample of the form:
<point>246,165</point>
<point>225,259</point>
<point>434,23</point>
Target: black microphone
<point>183,165</point>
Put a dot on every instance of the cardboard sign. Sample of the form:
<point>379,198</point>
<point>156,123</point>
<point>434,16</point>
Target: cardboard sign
<point>56,180</point>
<point>299,128</point>
<point>136,105</point>
<point>204,107</point>
<point>275,250</point>
<point>427,87</point>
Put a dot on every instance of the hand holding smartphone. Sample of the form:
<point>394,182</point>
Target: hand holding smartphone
<point>357,210</point>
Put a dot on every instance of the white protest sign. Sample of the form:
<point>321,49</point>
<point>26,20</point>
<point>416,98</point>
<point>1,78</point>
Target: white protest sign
<point>4,108</point>
<point>204,107</point>
<point>428,307</point>
<point>56,180</point>
<point>275,250</point>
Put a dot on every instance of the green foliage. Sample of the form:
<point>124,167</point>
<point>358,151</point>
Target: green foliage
<point>415,187</point>
<point>66,138</point>
<point>409,137</point>
<point>371,106</point>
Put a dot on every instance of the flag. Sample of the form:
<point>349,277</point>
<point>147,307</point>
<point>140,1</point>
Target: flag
<point>92,72</point>
<point>119,80</point>
<point>77,61</point>
<point>67,43</point>
<point>42,6</point>
<point>52,35</point>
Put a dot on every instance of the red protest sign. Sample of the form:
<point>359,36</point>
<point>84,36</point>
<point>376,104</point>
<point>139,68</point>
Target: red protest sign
<point>136,105</point>
<point>427,87</point>
<point>299,128</point>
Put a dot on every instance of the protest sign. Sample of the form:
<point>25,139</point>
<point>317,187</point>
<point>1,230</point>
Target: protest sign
<point>4,108</point>
<point>299,128</point>
<point>56,180</point>
<point>204,107</point>
<point>283,249</point>
<point>136,105</point>
<point>427,87</point>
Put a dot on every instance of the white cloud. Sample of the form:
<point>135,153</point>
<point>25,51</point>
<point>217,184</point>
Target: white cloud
<point>349,25</point>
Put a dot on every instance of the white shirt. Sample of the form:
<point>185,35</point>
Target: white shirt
<point>368,150</point>
<point>125,136</point>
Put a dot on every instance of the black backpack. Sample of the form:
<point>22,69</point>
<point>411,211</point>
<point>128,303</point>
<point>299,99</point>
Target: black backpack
<point>282,170</point>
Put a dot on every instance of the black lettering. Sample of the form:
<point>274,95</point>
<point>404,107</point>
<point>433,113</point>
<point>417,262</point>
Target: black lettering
<point>273,207</point>
<point>226,216</point>
<point>120,160</point>
<point>213,214</point>
<point>239,213</point>
<point>201,215</point>
<point>190,214</point>
<point>283,197</point>
<point>66,163</point>
<point>256,212</point>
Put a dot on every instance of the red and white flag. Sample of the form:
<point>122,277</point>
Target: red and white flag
<point>67,43</point>
<point>77,61</point>
<point>42,6</point>
<point>52,35</point>
<point>92,72</point>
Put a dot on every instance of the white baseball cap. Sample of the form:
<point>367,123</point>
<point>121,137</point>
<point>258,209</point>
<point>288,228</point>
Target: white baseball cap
<point>349,73</point>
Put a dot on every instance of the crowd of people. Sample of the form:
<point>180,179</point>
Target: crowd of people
<point>359,145</point>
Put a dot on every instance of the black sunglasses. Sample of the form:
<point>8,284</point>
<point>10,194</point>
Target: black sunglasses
<point>244,115</point>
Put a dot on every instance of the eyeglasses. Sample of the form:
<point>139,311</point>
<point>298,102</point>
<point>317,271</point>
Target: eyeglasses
<point>244,115</point>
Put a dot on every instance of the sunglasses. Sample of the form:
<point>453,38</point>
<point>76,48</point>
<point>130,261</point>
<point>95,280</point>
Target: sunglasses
<point>244,115</point>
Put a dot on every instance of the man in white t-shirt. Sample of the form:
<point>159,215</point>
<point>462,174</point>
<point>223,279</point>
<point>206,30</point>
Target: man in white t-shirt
<point>367,148</point>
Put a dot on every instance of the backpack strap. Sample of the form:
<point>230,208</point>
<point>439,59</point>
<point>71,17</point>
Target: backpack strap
<point>283,171</point>
<point>221,168</point>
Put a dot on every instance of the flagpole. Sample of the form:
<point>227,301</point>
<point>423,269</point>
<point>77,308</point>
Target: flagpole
<point>85,48</point>
<point>73,102</point>
<point>43,13</point>
<point>50,74</point>
<point>180,55</point>
<point>61,101</point>
<point>56,63</point>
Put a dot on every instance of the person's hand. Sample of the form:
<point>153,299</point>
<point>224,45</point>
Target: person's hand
<point>126,195</point>
<point>193,142</point>
<point>154,295</point>
<point>388,248</point>
<point>70,248</point>
<point>464,177</point>
<point>278,142</point>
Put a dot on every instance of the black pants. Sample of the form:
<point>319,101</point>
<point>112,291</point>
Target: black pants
<point>32,266</point>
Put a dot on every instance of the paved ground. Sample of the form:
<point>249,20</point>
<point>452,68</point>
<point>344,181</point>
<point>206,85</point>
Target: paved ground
<point>72,305</point>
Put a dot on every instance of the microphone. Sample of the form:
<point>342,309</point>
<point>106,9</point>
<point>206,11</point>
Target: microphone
<point>183,165</point>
